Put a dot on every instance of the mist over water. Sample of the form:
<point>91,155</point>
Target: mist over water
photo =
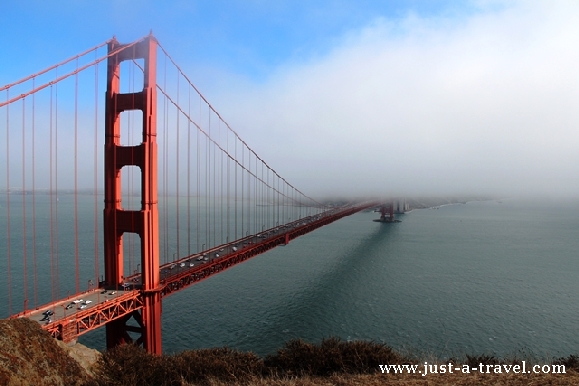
<point>481,278</point>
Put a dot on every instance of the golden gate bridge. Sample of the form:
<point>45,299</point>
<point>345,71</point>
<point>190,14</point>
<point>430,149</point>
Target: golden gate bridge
<point>184,196</point>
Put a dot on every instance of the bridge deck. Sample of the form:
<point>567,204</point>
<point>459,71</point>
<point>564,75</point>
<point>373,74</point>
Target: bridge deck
<point>89,310</point>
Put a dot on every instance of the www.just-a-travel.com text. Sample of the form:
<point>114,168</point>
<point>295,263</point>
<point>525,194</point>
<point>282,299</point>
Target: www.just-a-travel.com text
<point>450,368</point>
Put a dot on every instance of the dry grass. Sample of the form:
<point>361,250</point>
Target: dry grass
<point>30,356</point>
<point>572,378</point>
<point>331,356</point>
<point>332,362</point>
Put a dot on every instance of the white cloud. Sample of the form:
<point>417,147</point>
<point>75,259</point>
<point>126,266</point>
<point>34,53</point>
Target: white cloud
<point>483,104</point>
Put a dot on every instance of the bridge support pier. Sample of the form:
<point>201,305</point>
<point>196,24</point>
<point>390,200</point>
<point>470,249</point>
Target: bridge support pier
<point>144,222</point>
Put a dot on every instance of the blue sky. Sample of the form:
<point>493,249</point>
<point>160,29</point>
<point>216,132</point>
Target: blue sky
<point>250,38</point>
<point>363,97</point>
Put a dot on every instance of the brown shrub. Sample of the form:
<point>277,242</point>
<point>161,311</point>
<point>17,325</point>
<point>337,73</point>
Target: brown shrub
<point>131,365</point>
<point>332,356</point>
<point>571,362</point>
<point>218,363</point>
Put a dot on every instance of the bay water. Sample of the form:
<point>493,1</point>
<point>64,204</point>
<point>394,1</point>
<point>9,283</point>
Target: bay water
<point>487,277</point>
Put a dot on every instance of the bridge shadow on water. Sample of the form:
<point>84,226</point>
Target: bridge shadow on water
<point>314,312</point>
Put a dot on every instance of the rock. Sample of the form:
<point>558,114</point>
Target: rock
<point>85,356</point>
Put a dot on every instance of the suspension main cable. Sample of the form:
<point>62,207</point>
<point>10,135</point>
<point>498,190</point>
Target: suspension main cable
<point>208,135</point>
<point>226,124</point>
<point>55,66</point>
<point>211,140</point>
<point>63,77</point>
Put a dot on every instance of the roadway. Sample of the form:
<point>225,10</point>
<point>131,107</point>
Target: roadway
<point>83,302</point>
<point>91,309</point>
<point>71,306</point>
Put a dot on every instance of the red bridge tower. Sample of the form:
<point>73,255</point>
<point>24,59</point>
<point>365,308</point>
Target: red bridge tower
<point>144,222</point>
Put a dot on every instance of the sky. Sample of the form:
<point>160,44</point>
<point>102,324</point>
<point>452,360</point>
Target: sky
<point>357,98</point>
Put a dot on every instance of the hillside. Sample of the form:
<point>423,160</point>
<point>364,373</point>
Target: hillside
<point>29,356</point>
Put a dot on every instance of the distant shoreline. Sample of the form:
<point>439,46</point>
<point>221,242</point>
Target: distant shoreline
<point>433,202</point>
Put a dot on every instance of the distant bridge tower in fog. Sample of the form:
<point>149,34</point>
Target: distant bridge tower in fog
<point>400,205</point>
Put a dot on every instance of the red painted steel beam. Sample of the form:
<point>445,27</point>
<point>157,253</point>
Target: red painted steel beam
<point>194,275</point>
<point>70,328</point>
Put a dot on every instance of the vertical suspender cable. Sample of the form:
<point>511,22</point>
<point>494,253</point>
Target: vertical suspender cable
<point>51,197</point>
<point>56,259</point>
<point>177,171</point>
<point>189,176</point>
<point>242,193</point>
<point>221,211</point>
<point>207,191</point>
<point>95,173</point>
<point>8,252</point>
<point>235,193</point>
<point>255,205</point>
<point>34,256</point>
<point>213,180</point>
<point>24,241</point>
<point>258,198</point>
<point>198,212</point>
<point>76,178</point>
<point>249,204</point>
<point>264,199</point>
<point>228,189</point>
<point>269,199</point>
<point>165,168</point>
